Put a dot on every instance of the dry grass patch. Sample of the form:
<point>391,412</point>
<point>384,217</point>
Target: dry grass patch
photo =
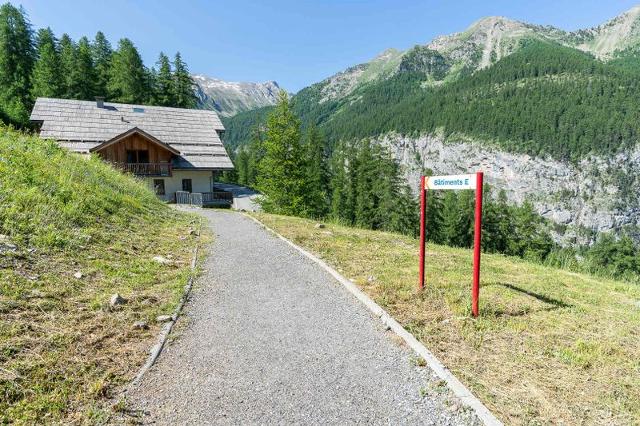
<point>550,346</point>
<point>74,231</point>
<point>64,352</point>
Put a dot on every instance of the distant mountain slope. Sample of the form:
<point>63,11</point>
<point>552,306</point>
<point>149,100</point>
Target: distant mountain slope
<point>230,98</point>
<point>552,116</point>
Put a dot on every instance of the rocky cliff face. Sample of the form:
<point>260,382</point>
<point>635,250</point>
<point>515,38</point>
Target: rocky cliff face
<point>596,195</point>
<point>230,98</point>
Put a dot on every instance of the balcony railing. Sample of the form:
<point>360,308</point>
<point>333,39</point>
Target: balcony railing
<point>145,169</point>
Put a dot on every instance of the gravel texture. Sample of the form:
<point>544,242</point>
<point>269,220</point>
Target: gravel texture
<point>271,338</point>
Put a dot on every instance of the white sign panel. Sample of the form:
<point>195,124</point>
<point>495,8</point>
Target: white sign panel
<point>451,182</point>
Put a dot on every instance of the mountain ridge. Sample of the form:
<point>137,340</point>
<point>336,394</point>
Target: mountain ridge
<point>488,40</point>
<point>231,97</point>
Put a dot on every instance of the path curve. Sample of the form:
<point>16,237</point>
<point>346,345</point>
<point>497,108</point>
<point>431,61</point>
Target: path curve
<point>272,338</point>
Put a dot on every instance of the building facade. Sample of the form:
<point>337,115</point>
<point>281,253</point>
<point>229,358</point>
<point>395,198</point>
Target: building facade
<point>171,149</point>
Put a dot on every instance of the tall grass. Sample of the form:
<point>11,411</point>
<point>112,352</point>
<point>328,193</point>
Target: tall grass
<point>63,350</point>
<point>50,199</point>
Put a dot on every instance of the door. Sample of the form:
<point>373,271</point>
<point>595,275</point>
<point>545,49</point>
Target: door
<point>186,185</point>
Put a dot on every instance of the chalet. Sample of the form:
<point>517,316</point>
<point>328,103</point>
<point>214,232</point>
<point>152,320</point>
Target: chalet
<point>172,149</point>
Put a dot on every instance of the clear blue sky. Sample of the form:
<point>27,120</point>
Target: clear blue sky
<point>295,42</point>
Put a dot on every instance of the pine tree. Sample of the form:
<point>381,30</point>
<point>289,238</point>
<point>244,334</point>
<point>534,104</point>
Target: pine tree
<point>151,82</point>
<point>242,166</point>
<point>85,72</point>
<point>128,77</point>
<point>68,61</point>
<point>184,96</point>
<point>434,213</point>
<point>164,87</point>
<point>102,54</point>
<point>317,174</point>
<point>46,76</point>
<point>338,184</point>
<point>281,172</point>
<point>16,64</point>
<point>366,197</point>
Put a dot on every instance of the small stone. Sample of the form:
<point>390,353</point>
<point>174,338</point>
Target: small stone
<point>320,226</point>
<point>116,300</point>
<point>147,302</point>
<point>78,275</point>
<point>33,277</point>
<point>371,278</point>
<point>140,325</point>
<point>192,232</point>
<point>6,244</point>
<point>36,294</point>
<point>454,407</point>
<point>162,260</point>
<point>164,318</point>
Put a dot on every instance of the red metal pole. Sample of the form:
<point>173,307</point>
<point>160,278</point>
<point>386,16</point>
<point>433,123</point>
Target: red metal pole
<point>477,240</point>
<point>423,219</point>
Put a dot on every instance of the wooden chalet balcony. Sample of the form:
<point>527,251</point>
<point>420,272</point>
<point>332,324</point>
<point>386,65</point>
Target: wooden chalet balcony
<point>145,169</point>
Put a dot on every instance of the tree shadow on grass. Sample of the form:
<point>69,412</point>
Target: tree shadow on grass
<point>551,303</point>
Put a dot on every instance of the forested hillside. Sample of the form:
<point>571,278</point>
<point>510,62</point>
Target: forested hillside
<point>38,64</point>
<point>543,99</point>
<point>359,183</point>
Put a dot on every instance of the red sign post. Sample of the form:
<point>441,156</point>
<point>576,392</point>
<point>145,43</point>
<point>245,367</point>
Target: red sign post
<point>454,182</point>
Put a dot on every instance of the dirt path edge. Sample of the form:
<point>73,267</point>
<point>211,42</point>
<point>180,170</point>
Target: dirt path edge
<point>459,390</point>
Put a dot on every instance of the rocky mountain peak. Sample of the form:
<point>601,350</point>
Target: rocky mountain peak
<point>615,35</point>
<point>230,97</point>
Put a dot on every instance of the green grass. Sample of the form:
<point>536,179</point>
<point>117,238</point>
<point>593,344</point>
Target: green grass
<point>64,353</point>
<point>550,346</point>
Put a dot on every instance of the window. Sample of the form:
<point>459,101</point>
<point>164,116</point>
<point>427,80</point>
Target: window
<point>138,109</point>
<point>186,185</point>
<point>158,186</point>
<point>137,156</point>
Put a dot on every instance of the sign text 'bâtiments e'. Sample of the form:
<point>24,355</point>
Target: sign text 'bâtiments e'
<point>451,182</point>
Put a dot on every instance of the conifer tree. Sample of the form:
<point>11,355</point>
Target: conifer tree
<point>184,96</point>
<point>16,63</point>
<point>338,184</point>
<point>317,174</point>
<point>151,82</point>
<point>69,73</point>
<point>102,54</point>
<point>164,87</point>
<point>46,76</point>
<point>366,197</point>
<point>84,71</point>
<point>281,172</point>
<point>128,77</point>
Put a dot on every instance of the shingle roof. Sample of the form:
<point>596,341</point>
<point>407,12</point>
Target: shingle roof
<point>82,125</point>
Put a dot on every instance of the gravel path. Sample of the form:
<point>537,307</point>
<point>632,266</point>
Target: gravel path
<point>271,338</point>
<point>243,198</point>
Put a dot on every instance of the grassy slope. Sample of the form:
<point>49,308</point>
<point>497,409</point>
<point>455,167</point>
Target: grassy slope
<point>63,351</point>
<point>550,346</point>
